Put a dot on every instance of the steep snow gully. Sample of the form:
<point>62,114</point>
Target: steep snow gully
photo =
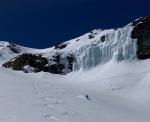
<point>98,77</point>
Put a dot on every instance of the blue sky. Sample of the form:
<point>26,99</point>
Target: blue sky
<point>44,23</point>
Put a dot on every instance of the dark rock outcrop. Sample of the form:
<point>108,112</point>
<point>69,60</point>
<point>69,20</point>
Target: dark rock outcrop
<point>91,36</point>
<point>70,60</point>
<point>19,62</point>
<point>38,63</point>
<point>141,32</point>
<point>13,48</point>
<point>55,66</point>
<point>61,46</point>
<point>103,38</point>
<point>77,40</point>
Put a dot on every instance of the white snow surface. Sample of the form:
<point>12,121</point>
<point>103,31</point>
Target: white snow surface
<point>118,92</point>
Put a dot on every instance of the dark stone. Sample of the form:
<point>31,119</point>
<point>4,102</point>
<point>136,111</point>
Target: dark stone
<point>103,38</point>
<point>39,63</point>
<point>91,36</point>
<point>143,56</point>
<point>71,60</point>
<point>87,97</point>
<point>61,46</point>
<point>77,40</point>
<point>18,63</point>
<point>7,64</point>
<point>115,28</point>
<point>56,67</point>
<point>14,48</point>
<point>141,32</point>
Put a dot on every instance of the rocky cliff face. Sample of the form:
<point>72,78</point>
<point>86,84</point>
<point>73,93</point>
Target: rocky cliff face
<point>141,32</point>
<point>131,42</point>
<point>36,63</point>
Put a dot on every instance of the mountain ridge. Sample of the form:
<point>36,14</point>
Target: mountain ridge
<point>85,52</point>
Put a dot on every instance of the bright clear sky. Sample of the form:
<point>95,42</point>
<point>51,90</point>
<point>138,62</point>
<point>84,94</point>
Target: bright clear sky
<point>43,23</point>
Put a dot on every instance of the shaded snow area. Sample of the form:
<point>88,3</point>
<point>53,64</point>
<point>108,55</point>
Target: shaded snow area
<point>113,92</point>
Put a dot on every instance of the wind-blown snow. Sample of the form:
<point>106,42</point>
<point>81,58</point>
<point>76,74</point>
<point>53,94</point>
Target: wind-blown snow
<point>118,92</point>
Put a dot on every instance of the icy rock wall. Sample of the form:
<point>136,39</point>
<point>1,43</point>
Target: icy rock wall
<point>116,45</point>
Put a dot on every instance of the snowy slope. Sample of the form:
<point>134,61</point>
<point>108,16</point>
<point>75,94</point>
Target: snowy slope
<point>6,52</point>
<point>117,93</point>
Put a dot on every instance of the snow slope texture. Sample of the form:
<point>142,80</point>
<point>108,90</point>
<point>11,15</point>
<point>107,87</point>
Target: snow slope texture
<point>117,93</point>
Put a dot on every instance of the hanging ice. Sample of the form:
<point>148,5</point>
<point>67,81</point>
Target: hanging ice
<point>116,45</point>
